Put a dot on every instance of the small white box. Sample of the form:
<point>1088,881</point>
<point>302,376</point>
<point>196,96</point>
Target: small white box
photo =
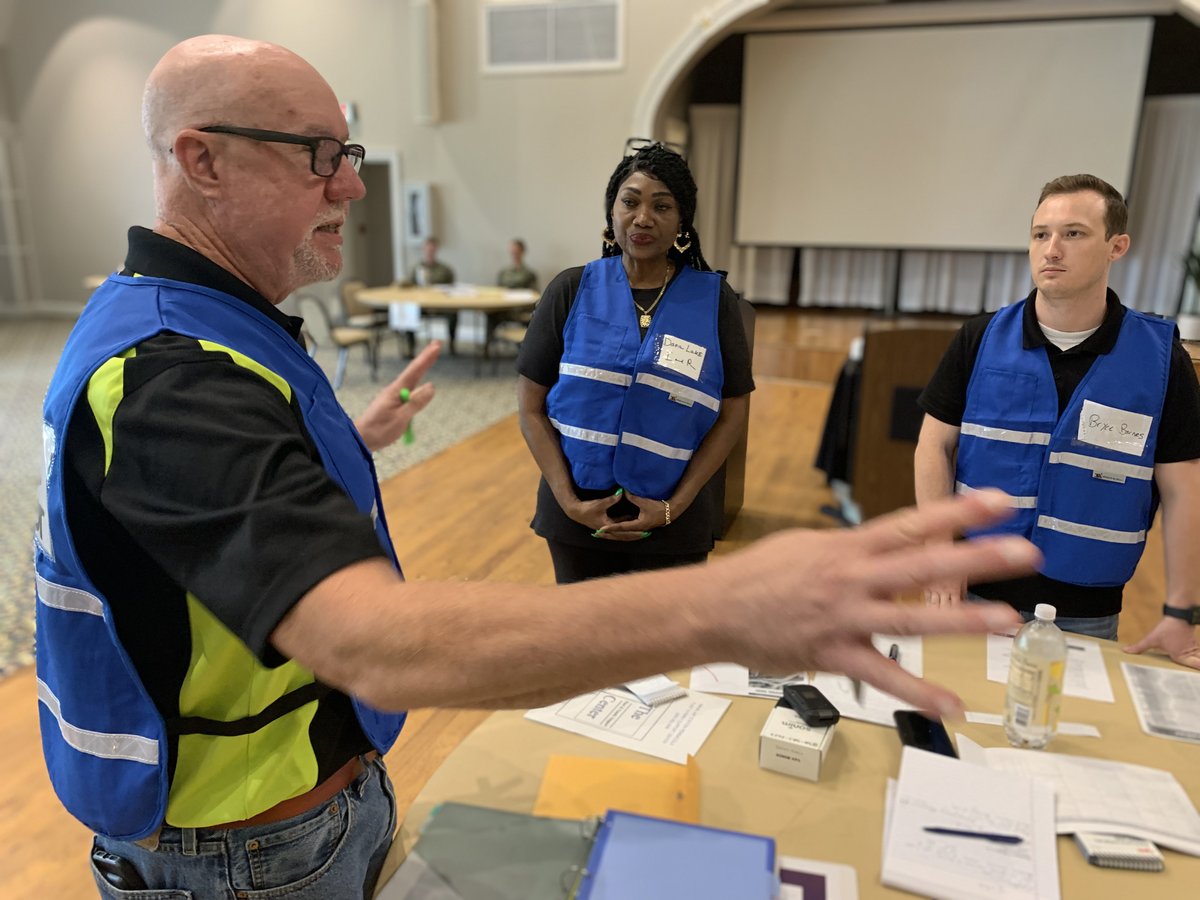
<point>789,746</point>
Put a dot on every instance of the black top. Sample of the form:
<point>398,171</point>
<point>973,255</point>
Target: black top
<point>945,399</point>
<point>695,530</point>
<point>214,488</point>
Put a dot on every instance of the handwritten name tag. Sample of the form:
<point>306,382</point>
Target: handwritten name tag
<point>681,356</point>
<point>1116,429</point>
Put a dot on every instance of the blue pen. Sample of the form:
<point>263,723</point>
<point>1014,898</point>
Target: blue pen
<point>982,835</point>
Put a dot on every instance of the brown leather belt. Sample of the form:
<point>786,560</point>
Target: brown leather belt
<point>322,793</point>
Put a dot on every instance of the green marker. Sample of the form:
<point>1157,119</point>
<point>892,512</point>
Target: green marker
<point>405,394</point>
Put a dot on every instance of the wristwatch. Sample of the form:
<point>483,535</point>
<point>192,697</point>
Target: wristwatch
<point>1191,614</point>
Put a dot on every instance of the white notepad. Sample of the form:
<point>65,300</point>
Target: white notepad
<point>940,792</point>
<point>1118,851</point>
<point>656,689</point>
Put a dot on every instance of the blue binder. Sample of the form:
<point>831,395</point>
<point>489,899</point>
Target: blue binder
<point>639,856</point>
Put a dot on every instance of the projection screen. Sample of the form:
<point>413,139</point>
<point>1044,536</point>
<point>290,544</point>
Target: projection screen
<point>930,137</point>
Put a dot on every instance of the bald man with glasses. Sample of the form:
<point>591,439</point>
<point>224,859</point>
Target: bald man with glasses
<point>225,643</point>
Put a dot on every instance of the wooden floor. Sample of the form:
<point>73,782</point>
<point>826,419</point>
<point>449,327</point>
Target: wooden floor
<point>463,515</point>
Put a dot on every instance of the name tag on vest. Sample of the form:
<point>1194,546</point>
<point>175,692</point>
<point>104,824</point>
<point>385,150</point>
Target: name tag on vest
<point>681,356</point>
<point>1114,429</point>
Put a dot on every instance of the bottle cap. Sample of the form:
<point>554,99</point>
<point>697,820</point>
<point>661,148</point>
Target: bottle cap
<point>1045,612</point>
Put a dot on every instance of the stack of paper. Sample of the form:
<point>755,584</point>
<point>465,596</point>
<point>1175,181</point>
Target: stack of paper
<point>864,702</point>
<point>1167,701</point>
<point>958,831</point>
<point>1103,795</point>
<point>1085,674</point>
<point>672,731</point>
<point>731,678</point>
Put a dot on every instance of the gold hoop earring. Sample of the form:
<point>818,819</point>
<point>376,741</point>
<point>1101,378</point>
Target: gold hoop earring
<point>685,247</point>
<point>606,235</point>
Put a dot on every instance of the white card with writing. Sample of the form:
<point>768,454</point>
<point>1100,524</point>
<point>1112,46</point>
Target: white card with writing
<point>1116,429</point>
<point>681,356</point>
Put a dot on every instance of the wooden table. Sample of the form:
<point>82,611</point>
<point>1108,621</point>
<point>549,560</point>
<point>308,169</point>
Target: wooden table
<point>495,303</point>
<point>839,818</point>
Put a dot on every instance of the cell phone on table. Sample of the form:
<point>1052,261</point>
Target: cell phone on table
<point>117,871</point>
<point>811,705</point>
<point>922,732</point>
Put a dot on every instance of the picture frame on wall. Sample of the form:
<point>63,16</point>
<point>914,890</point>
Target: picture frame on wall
<point>418,212</point>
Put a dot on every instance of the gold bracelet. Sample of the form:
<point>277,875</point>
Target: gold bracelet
<point>667,507</point>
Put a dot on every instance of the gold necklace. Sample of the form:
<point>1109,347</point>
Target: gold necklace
<point>644,318</point>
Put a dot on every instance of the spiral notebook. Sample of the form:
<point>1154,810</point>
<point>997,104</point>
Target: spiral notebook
<point>1118,851</point>
<point>656,689</point>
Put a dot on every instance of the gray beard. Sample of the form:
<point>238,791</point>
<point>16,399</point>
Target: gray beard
<point>311,267</point>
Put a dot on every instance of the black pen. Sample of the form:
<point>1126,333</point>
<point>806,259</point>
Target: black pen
<point>983,835</point>
<point>894,653</point>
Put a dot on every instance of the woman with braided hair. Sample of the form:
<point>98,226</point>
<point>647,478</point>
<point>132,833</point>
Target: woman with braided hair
<point>634,384</point>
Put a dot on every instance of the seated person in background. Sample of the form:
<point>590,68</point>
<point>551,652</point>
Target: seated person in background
<point>431,270</point>
<point>1088,414</point>
<point>518,275</point>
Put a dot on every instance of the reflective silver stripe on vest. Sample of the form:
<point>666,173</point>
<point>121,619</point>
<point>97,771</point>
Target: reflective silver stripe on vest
<point>583,434</point>
<point>645,443</point>
<point>1015,502</point>
<point>68,599</point>
<point>1102,466</point>
<point>1005,434</point>
<point>594,374</point>
<point>1093,532</point>
<point>132,747</point>
<point>680,390</point>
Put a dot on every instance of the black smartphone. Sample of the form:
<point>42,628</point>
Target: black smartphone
<point>811,705</point>
<point>917,730</point>
<point>117,871</point>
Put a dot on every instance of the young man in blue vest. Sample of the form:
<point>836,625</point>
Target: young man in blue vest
<point>1088,415</point>
<point>225,642</point>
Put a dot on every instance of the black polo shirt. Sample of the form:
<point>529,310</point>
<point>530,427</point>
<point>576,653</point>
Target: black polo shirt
<point>214,488</point>
<point>945,399</point>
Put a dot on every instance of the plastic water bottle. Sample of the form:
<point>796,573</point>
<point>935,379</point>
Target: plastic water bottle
<point>1035,679</point>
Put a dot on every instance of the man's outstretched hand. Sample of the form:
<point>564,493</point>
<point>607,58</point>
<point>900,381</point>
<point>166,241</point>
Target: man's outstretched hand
<point>388,416</point>
<point>826,592</point>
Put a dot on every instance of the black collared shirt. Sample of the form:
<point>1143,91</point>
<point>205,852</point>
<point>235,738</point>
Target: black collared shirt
<point>945,398</point>
<point>160,257</point>
<point>212,487</point>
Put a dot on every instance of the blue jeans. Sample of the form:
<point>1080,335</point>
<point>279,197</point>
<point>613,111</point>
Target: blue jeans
<point>1104,627</point>
<point>332,852</point>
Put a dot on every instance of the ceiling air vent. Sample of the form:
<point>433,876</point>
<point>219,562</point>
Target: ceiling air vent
<point>551,36</point>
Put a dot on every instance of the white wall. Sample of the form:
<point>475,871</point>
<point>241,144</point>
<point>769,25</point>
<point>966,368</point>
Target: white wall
<point>514,155</point>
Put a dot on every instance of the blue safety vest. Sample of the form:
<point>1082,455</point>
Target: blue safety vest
<point>632,411</point>
<point>1087,506</point>
<point>104,741</point>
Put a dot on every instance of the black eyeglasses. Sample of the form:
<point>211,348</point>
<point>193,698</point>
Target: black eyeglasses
<point>633,145</point>
<point>326,152</point>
